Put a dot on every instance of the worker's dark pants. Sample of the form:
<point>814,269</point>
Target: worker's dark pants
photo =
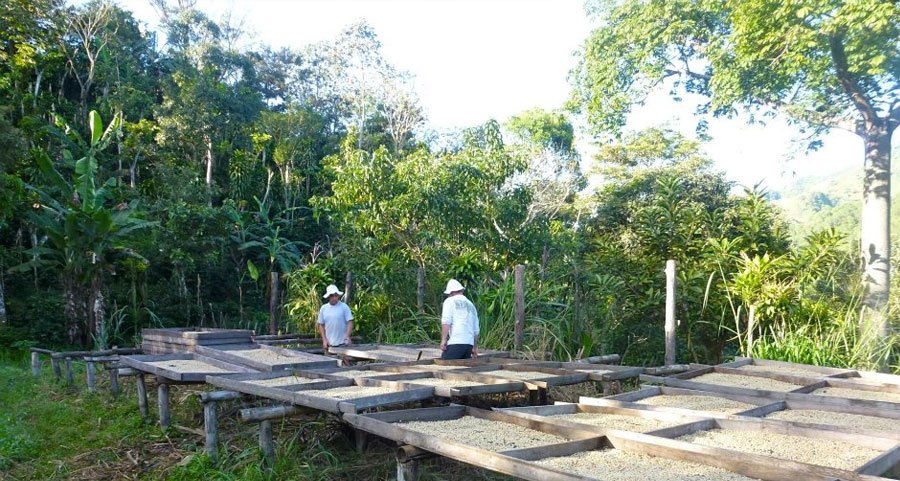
<point>457,351</point>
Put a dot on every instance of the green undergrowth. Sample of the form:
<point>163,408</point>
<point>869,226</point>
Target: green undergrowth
<point>49,431</point>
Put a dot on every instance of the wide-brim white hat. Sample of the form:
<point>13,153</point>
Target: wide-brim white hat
<point>453,285</point>
<point>331,290</point>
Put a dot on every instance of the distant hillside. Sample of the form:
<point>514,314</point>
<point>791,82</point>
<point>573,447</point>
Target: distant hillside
<point>816,203</point>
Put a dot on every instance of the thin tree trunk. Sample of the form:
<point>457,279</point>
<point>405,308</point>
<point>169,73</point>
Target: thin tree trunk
<point>420,290</point>
<point>71,311</point>
<point>273,302</point>
<point>876,225</point>
<point>210,161</point>
<point>3,317</point>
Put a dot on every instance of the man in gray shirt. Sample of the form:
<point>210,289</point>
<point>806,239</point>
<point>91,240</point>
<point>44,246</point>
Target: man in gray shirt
<point>335,319</point>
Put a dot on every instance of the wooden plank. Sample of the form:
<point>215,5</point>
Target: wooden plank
<point>825,370</point>
<point>141,363</point>
<point>884,464</point>
<point>278,393</point>
<point>303,360</point>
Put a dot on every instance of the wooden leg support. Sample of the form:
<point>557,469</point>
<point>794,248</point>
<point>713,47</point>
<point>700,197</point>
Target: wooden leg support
<point>542,396</point>
<point>142,396</point>
<point>35,364</point>
<point>70,376</point>
<point>163,400</point>
<point>57,372</point>
<point>408,458</point>
<point>266,444</point>
<point>91,383</point>
<point>114,381</point>
<point>361,439</point>
<point>211,429</point>
<point>533,397</point>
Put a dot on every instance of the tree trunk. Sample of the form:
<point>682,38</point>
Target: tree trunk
<point>348,287</point>
<point>273,302</point>
<point>71,311</point>
<point>3,318</point>
<point>209,161</point>
<point>876,226</point>
<point>420,290</point>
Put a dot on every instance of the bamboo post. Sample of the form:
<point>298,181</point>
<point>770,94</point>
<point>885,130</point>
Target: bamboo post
<point>519,307</point>
<point>114,381</point>
<point>266,445</point>
<point>211,421</point>
<point>142,395</point>
<point>671,347</point>
<point>57,371</point>
<point>89,371</point>
<point>211,429</point>
<point>348,287</point>
<point>70,376</point>
<point>35,364</point>
<point>163,401</point>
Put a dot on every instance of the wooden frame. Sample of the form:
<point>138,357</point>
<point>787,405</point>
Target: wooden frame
<point>399,352</point>
<point>802,394</point>
<point>304,360</point>
<point>555,377</point>
<point>615,372</point>
<point>488,384</point>
<point>140,363</point>
<point>829,372</point>
<point>516,462</point>
<point>542,412</point>
<point>295,394</point>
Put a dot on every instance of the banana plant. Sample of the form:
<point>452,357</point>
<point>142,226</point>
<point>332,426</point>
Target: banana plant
<point>85,233</point>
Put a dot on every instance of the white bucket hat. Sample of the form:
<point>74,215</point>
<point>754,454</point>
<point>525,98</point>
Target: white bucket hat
<point>330,290</point>
<point>453,285</point>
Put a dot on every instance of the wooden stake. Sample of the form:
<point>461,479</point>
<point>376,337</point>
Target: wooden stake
<point>519,307</point>
<point>671,347</point>
<point>89,370</point>
<point>70,376</point>
<point>142,396</point>
<point>407,471</point>
<point>163,401</point>
<point>266,445</point>
<point>361,440</point>
<point>211,429</point>
<point>57,372</point>
<point>35,364</point>
<point>114,381</point>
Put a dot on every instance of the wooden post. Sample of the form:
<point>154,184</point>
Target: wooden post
<point>35,364</point>
<point>348,287</point>
<point>89,370</point>
<point>671,347</point>
<point>361,440</point>
<point>520,307</point>
<point>57,371</point>
<point>273,302</point>
<point>163,401</point>
<point>142,395</point>
<point>266,445</point>
<point>407,470</point>
<point>114,381</point>
<point>211,429</point>
<point>70,376</point>
<point>420,290</point>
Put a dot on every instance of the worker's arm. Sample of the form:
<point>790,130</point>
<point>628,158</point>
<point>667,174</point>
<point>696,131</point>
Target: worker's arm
<point>445,333</point>
<point>474,347</point>
<point>349,331</point>
<point>324,337</point>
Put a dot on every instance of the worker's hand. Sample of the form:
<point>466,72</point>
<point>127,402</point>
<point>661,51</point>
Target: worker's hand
<point>325,345</point>
<point>348,341</point>
<point>474,353</point>
<point>443,345</point>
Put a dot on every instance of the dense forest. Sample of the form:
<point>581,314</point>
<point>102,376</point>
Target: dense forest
<point>197,181</point>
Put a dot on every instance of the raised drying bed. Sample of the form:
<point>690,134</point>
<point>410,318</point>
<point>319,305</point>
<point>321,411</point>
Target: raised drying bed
<point>183,367</point>
<point>596,372</point>
<point>536,376</point>
<point>267,358</point>
<point>605,417</point>
<point>322,391</point>
<point>399,352</point>
<point>186,339</point>
<point>447,432</point>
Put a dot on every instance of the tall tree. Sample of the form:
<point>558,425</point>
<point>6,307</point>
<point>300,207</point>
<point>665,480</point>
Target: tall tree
<point>823,64</point>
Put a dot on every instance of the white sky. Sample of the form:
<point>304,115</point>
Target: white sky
<point>481,59</point>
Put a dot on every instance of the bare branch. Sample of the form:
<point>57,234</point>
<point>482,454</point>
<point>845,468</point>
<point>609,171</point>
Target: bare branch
<point>848,82</point>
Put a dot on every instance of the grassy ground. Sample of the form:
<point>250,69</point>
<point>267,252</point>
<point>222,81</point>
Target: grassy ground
<point>52,432</point>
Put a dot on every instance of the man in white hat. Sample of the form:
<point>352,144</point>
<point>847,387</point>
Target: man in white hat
<point>459,324</point>
<point>335,319</point>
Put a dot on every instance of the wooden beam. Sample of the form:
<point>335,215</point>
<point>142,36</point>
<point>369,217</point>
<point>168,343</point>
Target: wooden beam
<point>142,396</point>
<point>163,402</point>
<point>91,382</point>
<point>211,430</point>
<point>35,363</point>
<point>113,381</point>
<point>267,444</point>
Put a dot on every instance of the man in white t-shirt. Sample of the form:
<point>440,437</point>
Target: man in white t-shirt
<point>459,324</point>
<point>335,319</point>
